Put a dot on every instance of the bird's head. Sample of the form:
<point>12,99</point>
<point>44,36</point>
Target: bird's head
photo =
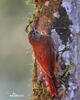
<point>36,34</point>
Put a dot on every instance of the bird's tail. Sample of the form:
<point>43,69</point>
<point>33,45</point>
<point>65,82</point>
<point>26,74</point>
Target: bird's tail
<point>51,84</point>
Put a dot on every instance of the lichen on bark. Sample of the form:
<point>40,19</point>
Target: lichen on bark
<point>50,16</point>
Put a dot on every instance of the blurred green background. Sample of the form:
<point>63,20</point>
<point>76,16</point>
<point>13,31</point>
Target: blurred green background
<point>15,51</point>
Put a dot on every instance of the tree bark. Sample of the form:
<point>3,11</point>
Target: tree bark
<point>60,20</point>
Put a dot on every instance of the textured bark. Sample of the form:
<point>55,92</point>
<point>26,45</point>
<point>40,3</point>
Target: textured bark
<point>67,41</point>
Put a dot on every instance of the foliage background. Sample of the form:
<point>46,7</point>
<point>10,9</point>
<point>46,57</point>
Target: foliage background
<point>15,52</point>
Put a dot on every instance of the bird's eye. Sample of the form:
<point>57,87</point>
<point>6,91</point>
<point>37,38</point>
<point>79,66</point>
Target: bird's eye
<point>34,33</point>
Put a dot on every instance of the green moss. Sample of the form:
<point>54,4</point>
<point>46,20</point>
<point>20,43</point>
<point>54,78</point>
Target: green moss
<point>64,78</point>
<point>37,2</point>
<point>40,91</point>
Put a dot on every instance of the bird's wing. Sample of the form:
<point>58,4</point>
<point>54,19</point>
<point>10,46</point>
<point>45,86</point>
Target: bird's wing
<point>44,57</point>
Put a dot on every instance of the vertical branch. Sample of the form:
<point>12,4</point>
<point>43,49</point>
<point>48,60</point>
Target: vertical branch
<point>47,10</point>
<point>48,19</point>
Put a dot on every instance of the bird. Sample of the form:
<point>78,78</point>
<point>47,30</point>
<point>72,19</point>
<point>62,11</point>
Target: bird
<point>44,51</point>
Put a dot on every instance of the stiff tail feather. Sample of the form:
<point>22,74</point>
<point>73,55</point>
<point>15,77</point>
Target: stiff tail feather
<point>52,87</point>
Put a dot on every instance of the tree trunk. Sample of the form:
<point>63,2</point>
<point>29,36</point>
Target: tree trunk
<point>60,20</point>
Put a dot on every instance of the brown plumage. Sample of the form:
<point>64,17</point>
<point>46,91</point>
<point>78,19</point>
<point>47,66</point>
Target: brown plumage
<point>44,51</point>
